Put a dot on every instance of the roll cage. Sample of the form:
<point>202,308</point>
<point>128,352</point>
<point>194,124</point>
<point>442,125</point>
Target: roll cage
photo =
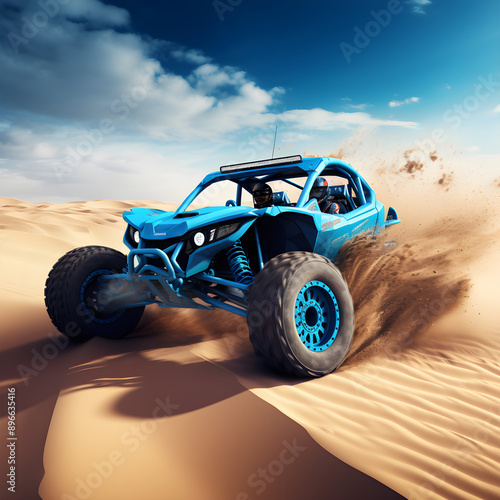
<point>359,192</point>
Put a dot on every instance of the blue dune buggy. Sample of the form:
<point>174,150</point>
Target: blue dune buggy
<point>272,265</point>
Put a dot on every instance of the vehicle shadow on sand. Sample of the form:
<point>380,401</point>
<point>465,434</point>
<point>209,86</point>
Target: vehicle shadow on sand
<point>156,362</point>
<point>147,363</point>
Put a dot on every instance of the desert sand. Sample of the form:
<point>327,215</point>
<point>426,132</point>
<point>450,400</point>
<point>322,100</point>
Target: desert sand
<point>182,409</point>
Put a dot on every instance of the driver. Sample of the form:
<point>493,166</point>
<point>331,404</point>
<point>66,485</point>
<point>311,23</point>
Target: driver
<point>319,191</point>
<point>262,195</point>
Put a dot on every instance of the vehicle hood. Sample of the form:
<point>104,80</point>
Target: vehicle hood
<point>158,224</point>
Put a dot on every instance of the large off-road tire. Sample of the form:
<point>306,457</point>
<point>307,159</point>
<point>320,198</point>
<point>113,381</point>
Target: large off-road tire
<point>300,315</point>
<point>71,293</point>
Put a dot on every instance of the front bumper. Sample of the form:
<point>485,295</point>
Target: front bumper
<point>168,287</point>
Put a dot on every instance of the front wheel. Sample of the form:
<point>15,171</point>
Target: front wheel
<point>74,291</point>
<point>301,315</point>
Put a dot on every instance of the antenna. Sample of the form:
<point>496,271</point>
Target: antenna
<point>274,143</point>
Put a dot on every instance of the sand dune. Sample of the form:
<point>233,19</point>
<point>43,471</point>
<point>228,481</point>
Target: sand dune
<point>182,409</point>
<point>142,418</point>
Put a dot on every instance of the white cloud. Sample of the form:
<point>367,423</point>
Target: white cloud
<point>497,109</point>
<point>447,86</point>
<point>210,77</point>
<point>356,106</point>
<point>78,73</point>
<point>148,172</point>
<point>191,56</point>
<point>69,72</point>
<point>321,119</point>
<point>418,5</point>
<point>95,12</point>
<point>396,104</point>
<point>293,137</point>
<point>472,149</point>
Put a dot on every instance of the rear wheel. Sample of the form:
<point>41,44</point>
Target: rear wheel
<point>300,315</point>
<point>75,292</point>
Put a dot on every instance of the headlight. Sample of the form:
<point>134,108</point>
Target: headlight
<point>134,235</point>
<point>199,239</point>
<point>208,235</point>
<point>223,231</point>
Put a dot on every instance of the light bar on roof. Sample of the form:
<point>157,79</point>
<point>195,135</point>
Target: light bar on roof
<point>275,162</point>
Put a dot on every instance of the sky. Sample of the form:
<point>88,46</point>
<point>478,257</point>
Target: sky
<point>139,100</point>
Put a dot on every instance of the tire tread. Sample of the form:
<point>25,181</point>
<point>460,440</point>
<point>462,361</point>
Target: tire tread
<point>59,282</point>
<point>268,338</point>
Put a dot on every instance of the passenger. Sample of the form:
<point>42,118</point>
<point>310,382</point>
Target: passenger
<point>262,195</point>
<point>319,191</point>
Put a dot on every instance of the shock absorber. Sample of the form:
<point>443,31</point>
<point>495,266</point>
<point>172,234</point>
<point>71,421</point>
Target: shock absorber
<point>238,262</point>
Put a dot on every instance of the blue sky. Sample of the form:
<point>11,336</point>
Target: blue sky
<point>102,99</point>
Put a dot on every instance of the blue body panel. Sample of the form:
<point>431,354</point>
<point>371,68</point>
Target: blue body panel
<point>337,229</point>
<point>160,225</point>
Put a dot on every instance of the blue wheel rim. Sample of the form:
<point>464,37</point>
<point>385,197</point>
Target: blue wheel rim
<point>90,292</point>
<point>317,316</point>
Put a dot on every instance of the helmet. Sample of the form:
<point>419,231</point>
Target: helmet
<point>319,189</point>
<point>262,195</point>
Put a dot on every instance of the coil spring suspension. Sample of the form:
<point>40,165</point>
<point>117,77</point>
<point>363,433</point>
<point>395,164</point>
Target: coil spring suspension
<point>238,262</point>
